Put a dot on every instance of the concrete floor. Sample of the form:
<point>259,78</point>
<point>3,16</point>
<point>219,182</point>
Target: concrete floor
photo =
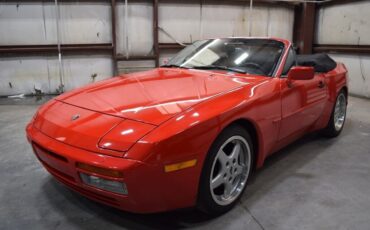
<point>315,183</point>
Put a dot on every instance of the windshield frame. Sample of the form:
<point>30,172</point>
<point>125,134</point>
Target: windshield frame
<point>274,70</point>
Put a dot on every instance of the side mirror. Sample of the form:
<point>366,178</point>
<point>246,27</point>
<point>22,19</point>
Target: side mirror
<point>301,73</point>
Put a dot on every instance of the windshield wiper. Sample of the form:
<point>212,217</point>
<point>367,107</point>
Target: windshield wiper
<point>206,67</point>
<point>219,67</point>
<point>174,66</point>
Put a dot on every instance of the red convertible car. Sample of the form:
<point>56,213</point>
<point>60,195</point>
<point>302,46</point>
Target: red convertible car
<point>191,132</point>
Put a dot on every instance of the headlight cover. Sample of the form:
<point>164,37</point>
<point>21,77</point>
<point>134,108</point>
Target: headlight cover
<point>124,135</point>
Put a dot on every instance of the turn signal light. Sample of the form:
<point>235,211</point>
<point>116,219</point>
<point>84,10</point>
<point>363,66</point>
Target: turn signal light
<point>181,165</point>
<point>99,170</point>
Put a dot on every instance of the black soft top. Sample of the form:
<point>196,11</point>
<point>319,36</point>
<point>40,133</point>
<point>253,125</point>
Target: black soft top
<point>321,62</point>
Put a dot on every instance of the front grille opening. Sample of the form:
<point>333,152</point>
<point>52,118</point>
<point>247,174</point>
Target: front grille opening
<point>52,154</point>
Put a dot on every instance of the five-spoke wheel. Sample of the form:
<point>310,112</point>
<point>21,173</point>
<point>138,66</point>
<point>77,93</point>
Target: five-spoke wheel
<point>226,170</point>
<point>229,170</point>
<point>340,111</point>
<point>338,116</point>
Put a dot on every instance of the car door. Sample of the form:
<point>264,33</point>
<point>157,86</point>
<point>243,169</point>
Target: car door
<point>302,101</point>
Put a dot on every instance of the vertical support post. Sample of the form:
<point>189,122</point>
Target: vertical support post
<point>200,19</point>
<point>126,28</point>
<point>304,27</point>
<point>250,17</point>
<point>61,74</point>
<point>155,32</point>
<point>114,37</point>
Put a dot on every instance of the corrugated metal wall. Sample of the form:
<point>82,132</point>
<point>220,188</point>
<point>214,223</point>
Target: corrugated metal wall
<point>188,22</point>
<point>348,24</point>
<point>35,23</point>
<point>89,22</point>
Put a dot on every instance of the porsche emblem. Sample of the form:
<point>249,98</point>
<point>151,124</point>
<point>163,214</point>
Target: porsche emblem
<point>75,117</point>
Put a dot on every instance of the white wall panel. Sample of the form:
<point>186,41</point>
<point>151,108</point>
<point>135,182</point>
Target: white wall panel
<point>166,55</point>
<point>358,71</point>
<point>348,24</point>
<point>181,20</point>
<point>28,24</point>
<point>260,21</point>
<point>35,23</point>
<point>224,21</point>
<point>189,22</point>
<point>140,28</point>
<point>344,24</point>
<point>281,20</point>
<point>24,74</point>
<point>85,23</point>
<point>79,71</point>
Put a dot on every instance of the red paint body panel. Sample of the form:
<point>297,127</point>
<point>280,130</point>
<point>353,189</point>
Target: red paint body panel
<point>153,96</point>
<point>139,177</point>
<point>54,120</point>
<point>140,122</point>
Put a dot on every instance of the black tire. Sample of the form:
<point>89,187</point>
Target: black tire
<point>331,130</point>
<point>206,202</point>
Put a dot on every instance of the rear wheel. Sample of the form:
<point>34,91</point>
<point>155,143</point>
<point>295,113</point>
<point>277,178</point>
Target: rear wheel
<point>226,171</point>
<point>338,116</point>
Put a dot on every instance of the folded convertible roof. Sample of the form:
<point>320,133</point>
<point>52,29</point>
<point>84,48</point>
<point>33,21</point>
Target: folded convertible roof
<point>321,62</point>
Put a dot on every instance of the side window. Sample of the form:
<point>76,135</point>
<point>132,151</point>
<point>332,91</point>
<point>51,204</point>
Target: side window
<point>290,61</point>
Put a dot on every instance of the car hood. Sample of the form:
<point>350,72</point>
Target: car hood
<point>154,96</point>
<point>89,130</point>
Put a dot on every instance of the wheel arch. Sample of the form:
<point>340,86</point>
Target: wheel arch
<point>345,89</point>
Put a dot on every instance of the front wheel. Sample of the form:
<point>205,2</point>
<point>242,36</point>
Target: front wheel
<point>226,171</point>
<point>338,116</point>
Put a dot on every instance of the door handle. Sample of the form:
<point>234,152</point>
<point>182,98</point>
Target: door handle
<point>321,84</point>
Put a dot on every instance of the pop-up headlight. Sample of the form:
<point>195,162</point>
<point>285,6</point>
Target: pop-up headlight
<point>124,135</point>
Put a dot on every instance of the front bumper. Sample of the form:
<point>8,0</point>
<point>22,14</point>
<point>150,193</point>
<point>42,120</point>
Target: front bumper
<point>150,189</point>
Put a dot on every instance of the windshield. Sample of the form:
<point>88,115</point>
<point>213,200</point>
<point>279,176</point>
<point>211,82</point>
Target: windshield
<point>253,56</point>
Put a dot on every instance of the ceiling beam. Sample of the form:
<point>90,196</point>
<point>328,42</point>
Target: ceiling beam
<point>342,49</point>
<point>338,2</point>
<point>53,49</point>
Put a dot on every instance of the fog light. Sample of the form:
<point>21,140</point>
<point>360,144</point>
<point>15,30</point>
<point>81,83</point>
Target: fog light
<point>108,185</point>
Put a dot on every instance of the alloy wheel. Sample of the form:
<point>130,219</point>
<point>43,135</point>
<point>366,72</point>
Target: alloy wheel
<point>340,112</point>
<point>230,170</point>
